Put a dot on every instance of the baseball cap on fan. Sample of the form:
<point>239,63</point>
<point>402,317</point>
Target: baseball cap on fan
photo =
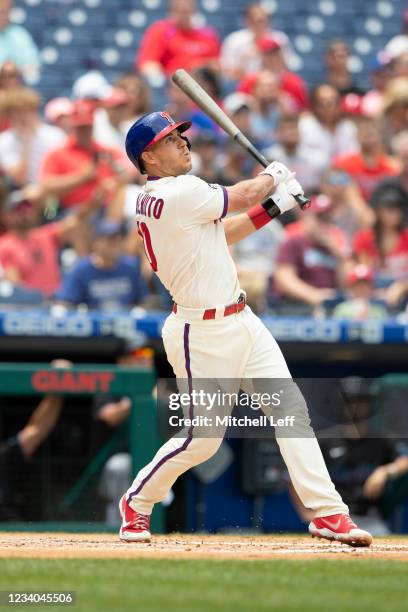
<point>236,102</point>
<point>56,108</point>
<point>321,204</point>
<point>351,104</point>
<point>266,44</point>
<point>91,85</point>
<point>360,272</point>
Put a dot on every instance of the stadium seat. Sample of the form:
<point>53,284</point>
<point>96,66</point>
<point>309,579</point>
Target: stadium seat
<point>106,33</point>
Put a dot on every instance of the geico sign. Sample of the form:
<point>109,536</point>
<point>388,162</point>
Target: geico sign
<point>53,381</point>
<point>27,324</point>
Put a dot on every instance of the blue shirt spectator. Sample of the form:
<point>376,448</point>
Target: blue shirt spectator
<point>104,289</point>
<point>106,279</point>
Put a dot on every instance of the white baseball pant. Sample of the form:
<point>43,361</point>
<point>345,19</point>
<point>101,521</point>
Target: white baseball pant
<point>238,347</point>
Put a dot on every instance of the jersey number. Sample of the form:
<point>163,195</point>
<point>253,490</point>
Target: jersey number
<point>143,229</point>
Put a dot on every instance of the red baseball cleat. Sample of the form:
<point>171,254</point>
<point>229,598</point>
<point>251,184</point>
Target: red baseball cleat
<point>135,527</point>
<point>340,527</point>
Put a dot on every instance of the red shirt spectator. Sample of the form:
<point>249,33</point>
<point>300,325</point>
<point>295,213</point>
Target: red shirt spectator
<point>366,175</point>
<point>28,252</point>
<point>75,171</point>
<point>174,43</point>
<point>273,61</point>
<point>289,83</point>
<point>34,257</point>
<point>385,247</point>
<point>371,165</point>
<point>395,261</point>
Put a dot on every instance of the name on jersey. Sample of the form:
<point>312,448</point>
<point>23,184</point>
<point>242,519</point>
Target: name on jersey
<point>149,206</point>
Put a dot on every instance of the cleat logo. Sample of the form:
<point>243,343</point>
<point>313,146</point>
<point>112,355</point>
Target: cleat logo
<point>333,526</point>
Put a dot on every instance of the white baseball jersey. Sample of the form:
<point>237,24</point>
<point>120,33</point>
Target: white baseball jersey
<point>180,221</point>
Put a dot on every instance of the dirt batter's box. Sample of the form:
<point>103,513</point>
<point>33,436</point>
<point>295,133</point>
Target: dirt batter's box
<point>137,384</point>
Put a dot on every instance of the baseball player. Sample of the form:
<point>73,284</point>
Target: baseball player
<point>211,332</point>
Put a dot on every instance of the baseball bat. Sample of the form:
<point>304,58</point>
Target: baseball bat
<point>195,92</point>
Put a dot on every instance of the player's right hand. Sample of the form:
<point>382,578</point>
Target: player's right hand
<point>279,172</point>
<point>283,199</point>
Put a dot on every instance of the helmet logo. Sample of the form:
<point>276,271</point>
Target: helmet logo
<point>166,115</point>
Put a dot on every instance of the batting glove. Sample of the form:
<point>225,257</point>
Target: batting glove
<point>283,199</point>
<point>294,187</point>
<point>279,172</point>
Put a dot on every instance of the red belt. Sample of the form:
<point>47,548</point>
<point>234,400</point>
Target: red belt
<point>210,313</point>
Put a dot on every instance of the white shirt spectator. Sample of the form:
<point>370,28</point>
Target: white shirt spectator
<point>240,53</point>
<point>308,167</point>
<point>105,133</point>
<point>324,144</point>
<point>45,139</point>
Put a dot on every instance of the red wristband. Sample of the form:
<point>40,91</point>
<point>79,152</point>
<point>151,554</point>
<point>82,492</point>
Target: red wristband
<point>258,216</point>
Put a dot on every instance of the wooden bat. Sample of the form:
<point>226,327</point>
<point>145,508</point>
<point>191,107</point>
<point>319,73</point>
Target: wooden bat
<point>195,92</point>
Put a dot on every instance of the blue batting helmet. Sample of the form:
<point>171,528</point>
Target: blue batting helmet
<point>148,130</point>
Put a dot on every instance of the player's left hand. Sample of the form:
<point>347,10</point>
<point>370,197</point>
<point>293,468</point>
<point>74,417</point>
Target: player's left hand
<point>283,199</point>
<point>294,187</point>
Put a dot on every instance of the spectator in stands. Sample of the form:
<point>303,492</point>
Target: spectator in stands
<point>291,85</point>
<point>208,157</point>
<point>174,43</point>
<point>291,151</point>
<point>400,148</point>
<point>323,131</point>
<point>138,97</point>
<point>26,143</point>
<point>239,106</point>
<point>370,165</point>
<point>237,165</point>
<point>384,248</point>
<point>58,112</point>
<point>337,71</point>
<point>253,257</point>
<point>395,108</point>
<point>17,451</point>
<point>267,108</point>
<point>351,212</point>
<point>240,53</point>
<point>106,279</point>
<point>29,251</point>
<point>110,120</point>
<point>310,261</point>
<point>181,108</point>
<point>399,43</point>
<point>380,72</point>
<point>360,303</point>
<point>17,45</point>
<point>82,167</point>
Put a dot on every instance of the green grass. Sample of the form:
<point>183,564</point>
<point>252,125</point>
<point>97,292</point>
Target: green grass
<point>165,585</point>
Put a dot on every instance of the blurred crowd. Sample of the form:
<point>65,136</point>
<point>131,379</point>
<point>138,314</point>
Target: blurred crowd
<point>68,192</point>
